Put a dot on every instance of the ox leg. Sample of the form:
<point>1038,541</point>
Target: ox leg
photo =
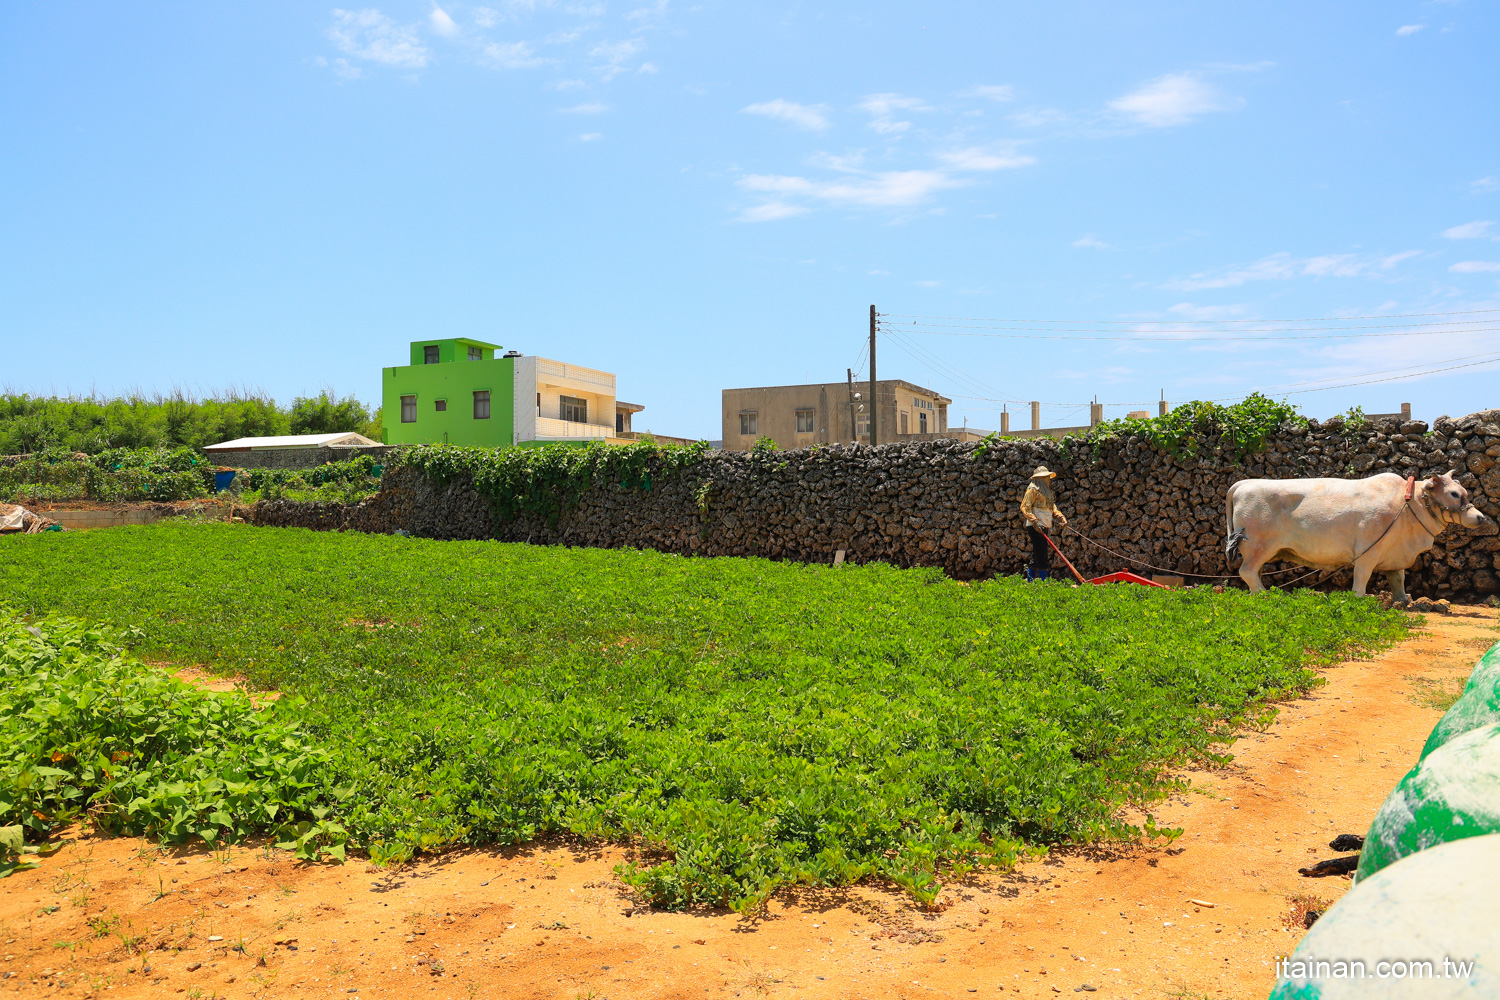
<point>1362,577</point>
<point>1397,579</point>
<point>1250,572</point>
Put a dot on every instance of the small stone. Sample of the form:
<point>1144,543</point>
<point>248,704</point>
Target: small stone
<point>194,966</point>
<point>216,937</point>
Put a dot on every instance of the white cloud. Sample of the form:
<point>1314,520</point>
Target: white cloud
<point>851,163</point>
<point>369,34</point>
<point>771,211</point>
<point>1410,29</point>
<point>1475,266</point>
<point>1484,185</point>
<point>805,116</point>
<point>441,22</point>
<point>889,189</point>
<point>657,9</point>
<point>1283,266</point>
<point>591,137</point>
<point>342,67</point>
<point>613,55</point>
<point>980,159</point>
<point>1038,117</point>
<point>512,55</point>
<point>486,17</point>
<point>992,93</point>
<point>648,67</point>
<point>1469,231</point>
<point>1090,242</point>
<point>565,85</point>
<point>1189,311</point>
<point>1174,99</point>
<point>882,107</point>
<point>884,104</point>
<point>590,108</point>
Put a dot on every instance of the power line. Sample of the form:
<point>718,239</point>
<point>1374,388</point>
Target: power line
<point>1491,355</point>
<point>942,367</point>
<point>1305,319</point>
<point>1182,336</point>
<point>1395,378</point>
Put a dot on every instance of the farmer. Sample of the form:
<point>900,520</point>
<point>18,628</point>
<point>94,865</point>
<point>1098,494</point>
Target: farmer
<point>1039,507</point>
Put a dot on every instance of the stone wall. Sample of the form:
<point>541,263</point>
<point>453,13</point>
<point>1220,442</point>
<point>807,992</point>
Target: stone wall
<point>953,504</point>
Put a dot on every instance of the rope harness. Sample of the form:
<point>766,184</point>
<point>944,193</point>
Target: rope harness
<point>1442,515</point>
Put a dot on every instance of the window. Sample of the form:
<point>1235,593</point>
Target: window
<point>441,406</point>
<point>408,409</point>
<point>619,423</point>
<point>862,426</point>
<point>430,354</point>
<point>903,421</point>
<point>921,423</point>
<point>749,421</point>
<point>482,404</point>
<point>573,409</point>
<point>804,421</point>
<point>475,354</point>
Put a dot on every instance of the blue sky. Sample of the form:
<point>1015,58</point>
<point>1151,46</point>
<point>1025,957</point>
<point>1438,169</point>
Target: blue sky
<point>695,196</point>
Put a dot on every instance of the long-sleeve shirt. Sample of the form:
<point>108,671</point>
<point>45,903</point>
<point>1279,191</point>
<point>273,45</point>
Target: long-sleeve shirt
<point>1038,500</point>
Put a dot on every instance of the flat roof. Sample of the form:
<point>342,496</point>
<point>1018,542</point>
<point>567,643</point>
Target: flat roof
<point>291,441</point>
<point>459,340</point>
<point>620,404</point>
<point>857,384</point>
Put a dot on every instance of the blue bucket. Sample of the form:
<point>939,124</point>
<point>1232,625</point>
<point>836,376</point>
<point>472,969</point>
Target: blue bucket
<point>222,480</point>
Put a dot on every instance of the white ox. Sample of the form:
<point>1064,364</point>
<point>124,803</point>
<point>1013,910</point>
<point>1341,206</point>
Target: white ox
<point>1332,523</point>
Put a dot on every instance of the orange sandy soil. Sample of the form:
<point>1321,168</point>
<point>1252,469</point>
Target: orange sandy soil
<point>208,503</point>
<point>118,917</point>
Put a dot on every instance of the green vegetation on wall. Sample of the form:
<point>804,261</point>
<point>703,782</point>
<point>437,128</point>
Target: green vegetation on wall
<point>757,723</point>
<point>1239,428</point>
<point>546,480</point>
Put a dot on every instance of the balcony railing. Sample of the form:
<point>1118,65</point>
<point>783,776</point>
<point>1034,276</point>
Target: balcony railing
<point>574,373</point>
<point>551,427</point>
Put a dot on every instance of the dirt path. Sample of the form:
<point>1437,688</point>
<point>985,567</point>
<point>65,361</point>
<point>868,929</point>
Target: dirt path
<point>550,922</point>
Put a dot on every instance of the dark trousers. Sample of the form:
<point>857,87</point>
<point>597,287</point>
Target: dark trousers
<point>1041,553</point>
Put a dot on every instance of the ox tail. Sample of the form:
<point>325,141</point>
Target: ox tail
<point>1232,536</point>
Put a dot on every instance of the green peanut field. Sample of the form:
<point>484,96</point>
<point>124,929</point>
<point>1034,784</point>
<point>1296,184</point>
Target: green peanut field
<point>745,724</point>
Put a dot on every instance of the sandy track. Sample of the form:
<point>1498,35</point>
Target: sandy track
<point>551,922</point>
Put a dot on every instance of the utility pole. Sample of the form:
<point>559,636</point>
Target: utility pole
<point>874,402</point>
<point>853,424</point>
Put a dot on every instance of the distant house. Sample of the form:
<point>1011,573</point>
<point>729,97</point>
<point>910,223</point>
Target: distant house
<point>456,391</point>
<point>289,451</point>
<point>285,442</point>
<point>824,413</point>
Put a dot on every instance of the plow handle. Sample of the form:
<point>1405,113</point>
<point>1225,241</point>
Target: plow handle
<point>1064,558</point>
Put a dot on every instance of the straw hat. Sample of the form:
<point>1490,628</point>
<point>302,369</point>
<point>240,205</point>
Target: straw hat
<point>1042,472</point>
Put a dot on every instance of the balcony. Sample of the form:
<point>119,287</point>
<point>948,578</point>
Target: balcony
<point>550,428</point>
<point>551,372</point>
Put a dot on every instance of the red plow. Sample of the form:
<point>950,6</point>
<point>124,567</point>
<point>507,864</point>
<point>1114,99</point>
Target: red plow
<point>1123,576</point>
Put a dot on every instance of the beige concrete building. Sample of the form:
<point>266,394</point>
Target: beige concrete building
<point>795,416</point>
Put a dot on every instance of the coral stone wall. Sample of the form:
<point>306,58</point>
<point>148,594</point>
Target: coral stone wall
<point>955,505</point>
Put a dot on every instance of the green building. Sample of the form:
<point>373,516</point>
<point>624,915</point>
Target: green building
<point>456,391</point>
